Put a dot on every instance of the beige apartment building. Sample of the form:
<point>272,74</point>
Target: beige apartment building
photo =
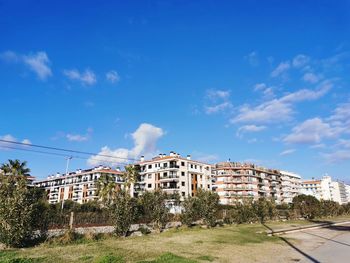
<point>237,181</point>
<point>78,186</point>
<point>173,174</point>
<point>291,186</point>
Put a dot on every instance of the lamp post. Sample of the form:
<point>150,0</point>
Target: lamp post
<point>65,180</point>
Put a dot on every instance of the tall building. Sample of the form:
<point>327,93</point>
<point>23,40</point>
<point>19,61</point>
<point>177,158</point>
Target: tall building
<point>326,189</point>
<point>173,174</point>
<point>236,181</point>
<point>79,186</point>
<point>291,185</point>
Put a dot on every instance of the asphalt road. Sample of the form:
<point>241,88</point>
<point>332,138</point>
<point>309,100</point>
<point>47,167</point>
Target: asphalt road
<point>321,245</point>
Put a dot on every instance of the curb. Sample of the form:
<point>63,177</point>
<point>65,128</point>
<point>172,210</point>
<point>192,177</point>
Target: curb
<point>301,228</point>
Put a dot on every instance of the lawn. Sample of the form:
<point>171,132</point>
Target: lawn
<point>243,243</point>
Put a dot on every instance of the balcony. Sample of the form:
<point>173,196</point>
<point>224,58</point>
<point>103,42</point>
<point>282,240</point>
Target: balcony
<point>171,177</point>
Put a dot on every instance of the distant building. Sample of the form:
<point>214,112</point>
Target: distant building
<point>326,189</point>
<point>237,181</point>
<point>79,186</point>
<point>173,174</point>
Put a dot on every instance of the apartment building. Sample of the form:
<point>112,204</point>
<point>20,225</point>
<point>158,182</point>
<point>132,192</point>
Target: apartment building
<point>291,185</point>
<point>326,189</point>
<point>173,174</point>
<point>78,186</point>
<point>236,181</point>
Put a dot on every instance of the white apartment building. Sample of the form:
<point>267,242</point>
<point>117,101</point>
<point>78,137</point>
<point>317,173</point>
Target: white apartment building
<point>78,186</point>
<point>173,174</point>
<point>291,185</point>
<point>326,189</point>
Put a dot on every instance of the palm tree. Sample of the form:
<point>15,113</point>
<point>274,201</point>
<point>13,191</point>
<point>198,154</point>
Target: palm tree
<point>15,168</point>
<point>130,176</point>
<point>106,187</point>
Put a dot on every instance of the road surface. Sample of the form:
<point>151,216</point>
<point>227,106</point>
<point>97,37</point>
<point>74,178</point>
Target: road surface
<point>323,245</point>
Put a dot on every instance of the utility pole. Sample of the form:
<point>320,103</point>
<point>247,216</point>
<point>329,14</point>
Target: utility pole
<point>65,180</point>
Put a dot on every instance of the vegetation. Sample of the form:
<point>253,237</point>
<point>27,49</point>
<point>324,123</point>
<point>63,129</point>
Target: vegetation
<point>22,208</point>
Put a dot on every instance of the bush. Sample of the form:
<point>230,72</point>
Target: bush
<point>22,212</point>
<point>204,206</point>
<point>307,206</point>
<point>123,211</point>
<point>154,208</point>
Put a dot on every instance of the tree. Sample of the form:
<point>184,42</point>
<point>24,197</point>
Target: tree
<point>155,210</point>
<point>123,211</point>
<point>189,211</point>
<point>23,211</point>
<point>307,206</point>
<point>130,176</point>
<point>106,188</point>
<point>15,168</point>
<point>208,204</point>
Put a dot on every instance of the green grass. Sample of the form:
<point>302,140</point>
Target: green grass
<point>183,245</point>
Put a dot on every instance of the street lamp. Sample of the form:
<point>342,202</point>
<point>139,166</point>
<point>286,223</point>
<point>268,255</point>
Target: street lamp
<point>65,180</point>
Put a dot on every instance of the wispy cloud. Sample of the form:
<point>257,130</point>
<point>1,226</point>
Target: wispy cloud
<point>252,58</point>
<point>287,152</point>
<point>37,62</point>
<point>249,128</point>
<point>112,76</point>
<point>75,137</point>
<point>87,77</point>
<point>218,100</point>
<point>281,68</point>
<point>300,61</point>
<point>279,110</point>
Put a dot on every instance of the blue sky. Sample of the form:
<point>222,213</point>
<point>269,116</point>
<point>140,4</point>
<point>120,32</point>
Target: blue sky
<point>259,81</point>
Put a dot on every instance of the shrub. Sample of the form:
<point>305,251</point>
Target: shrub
<point>154,208</point>
<point>22,212</point>
<point>123,212</point>
<point>307,206</point>
<point>208,204</point>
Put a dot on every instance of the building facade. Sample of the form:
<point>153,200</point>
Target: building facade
<point>79,186</point>
<point>237,181</point>
<point>326,189</point>
<point>291,185</point>
<point>173,174</point>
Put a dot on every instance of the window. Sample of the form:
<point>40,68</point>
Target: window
<point>150,166</point>
<point>182,183</point>
<point>165,174</point>
<point>195,167</point>
<point>165,165</point>
<point>183,173</point>
<point>191,165</point>
<point>182,163</point>
<point>183,193</point>
<point>149,176</point>
<point>149,185</point>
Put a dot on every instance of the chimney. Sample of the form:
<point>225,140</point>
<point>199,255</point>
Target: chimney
<point>142,158</point>
<point>172,153</point>
<point>160,155</point>
<point>188,157</point>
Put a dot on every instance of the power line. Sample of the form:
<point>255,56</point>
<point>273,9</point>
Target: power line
<point>67,150</point>
<point>56,154</point>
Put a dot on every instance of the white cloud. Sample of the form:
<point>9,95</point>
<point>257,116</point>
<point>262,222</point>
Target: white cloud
<point>287,152</point>
<point>300,61</point>
<point>249,128</point>
<point>76,137</point>
<point>266,91</point>
<point>218,108</point>
<point>87,77</point>
<point>279,110</point>
<point>112,76</point>
<point>311,78</point>
<point>214,94</point>
<point>310,131</point>
<point>281,68</point>
<point>79,137</point>
<point>37,62</point>
<point>145,143</point>
<point>219,99</point>
<point>337,156</point>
